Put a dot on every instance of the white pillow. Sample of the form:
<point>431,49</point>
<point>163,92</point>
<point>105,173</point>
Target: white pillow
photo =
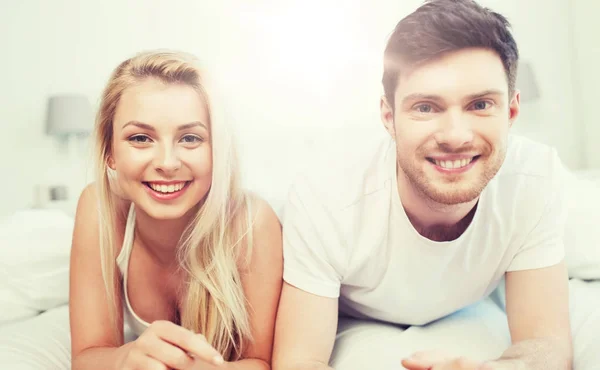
<point>272,160</point>
<point>34,262</point>
<point>582,233</point>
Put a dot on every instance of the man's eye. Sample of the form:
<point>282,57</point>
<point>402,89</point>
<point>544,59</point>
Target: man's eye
<point>480,105</point>
<point>424,108</point>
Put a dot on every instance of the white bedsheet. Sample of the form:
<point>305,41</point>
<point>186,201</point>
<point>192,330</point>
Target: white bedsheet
<point>39,343</point>
<point>42,342</point>
<point>479,331</point>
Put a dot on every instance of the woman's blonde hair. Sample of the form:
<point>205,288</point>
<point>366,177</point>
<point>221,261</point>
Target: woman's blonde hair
<point>210,248</point>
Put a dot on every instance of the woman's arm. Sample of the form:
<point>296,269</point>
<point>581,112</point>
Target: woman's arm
<point>262,280</point>
<point>93,344</point>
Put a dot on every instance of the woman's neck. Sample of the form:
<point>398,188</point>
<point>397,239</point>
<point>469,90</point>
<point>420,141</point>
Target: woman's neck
<point>161,237</point>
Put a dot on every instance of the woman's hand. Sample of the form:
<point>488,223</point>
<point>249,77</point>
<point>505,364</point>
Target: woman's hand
<point>165,345</point>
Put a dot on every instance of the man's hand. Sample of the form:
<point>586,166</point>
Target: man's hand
<point>436,360</point>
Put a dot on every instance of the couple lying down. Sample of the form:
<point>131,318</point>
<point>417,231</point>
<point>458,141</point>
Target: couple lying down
<point>405,231</point>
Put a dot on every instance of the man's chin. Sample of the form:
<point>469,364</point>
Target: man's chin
<point>447,188</point>
<point>450,194</point>
<point>451,199</point>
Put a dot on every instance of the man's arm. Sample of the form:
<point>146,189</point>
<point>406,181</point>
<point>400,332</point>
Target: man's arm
<point>537,306</point>
<point>305,330</point>
<point>537,297</point>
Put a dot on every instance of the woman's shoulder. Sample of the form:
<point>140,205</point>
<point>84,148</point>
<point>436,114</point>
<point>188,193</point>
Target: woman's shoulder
<point>90,198</point>
<point>88,210</point>
<point>264,224</point>
<point>262,213</point>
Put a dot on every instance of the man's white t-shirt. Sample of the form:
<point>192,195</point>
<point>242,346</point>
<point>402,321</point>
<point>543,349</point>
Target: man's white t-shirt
<point>347,235</point>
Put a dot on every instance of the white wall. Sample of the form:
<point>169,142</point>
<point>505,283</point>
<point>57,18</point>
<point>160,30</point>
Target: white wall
<point>290,68</point>
<point>542,31</point>
<point>586,55</point>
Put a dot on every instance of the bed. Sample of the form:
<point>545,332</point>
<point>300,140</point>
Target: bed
<point>34,258</point>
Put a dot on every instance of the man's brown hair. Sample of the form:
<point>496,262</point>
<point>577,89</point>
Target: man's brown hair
<point>439,27</point>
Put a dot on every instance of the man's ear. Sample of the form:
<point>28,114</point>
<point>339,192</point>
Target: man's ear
<point>514,108</point>
<point>387,116</point>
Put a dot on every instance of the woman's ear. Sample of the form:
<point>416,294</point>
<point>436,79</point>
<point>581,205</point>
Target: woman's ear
<point>110,162</point>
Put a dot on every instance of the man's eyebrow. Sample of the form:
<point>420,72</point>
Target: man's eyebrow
<point>148,127</point>
<point>439,99</point>
<point>485,93</point>
<point>420,96</point>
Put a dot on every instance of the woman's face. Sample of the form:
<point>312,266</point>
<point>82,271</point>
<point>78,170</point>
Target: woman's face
<point>161,148</point>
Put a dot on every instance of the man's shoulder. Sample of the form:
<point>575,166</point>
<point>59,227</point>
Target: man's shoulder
<point>529,158</point>
<point>531,175</point>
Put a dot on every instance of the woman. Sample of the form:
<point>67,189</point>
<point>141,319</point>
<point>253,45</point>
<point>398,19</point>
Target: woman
<point>165,240</point>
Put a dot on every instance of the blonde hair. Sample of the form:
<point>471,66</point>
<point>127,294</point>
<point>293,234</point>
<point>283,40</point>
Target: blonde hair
<point>210,248</point>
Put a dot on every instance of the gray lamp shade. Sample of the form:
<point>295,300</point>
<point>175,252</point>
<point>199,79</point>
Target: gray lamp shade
<point>69,114</point>
<point>526,83</point>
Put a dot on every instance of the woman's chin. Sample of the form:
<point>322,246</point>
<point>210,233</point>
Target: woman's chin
<point>165,212</point>
<point>168,214</point>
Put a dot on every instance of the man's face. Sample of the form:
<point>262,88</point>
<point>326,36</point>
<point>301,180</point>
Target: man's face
<point>450,124</point>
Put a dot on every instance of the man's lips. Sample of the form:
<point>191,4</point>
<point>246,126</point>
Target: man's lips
<point>453,163</point>
<point>453,157</point>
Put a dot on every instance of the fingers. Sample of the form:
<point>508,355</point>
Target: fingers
<point>142,361</point>
<point>168,354</point>
<point>460,363</point>
<point>436,360</point>
<point>194,344</point>
<point>410,364</point>
<point>425,360</point>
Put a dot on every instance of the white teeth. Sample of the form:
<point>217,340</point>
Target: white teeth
<point>459,163</point>
<point>167,188</point>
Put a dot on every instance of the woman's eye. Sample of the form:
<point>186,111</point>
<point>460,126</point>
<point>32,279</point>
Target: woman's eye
<point>139,139</point>
<point>191,139</point>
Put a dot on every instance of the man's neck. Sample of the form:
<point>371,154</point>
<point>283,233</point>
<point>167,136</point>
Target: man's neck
<point>435,221</point>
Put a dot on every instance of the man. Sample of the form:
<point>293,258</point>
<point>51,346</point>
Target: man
<point>432,219</point>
